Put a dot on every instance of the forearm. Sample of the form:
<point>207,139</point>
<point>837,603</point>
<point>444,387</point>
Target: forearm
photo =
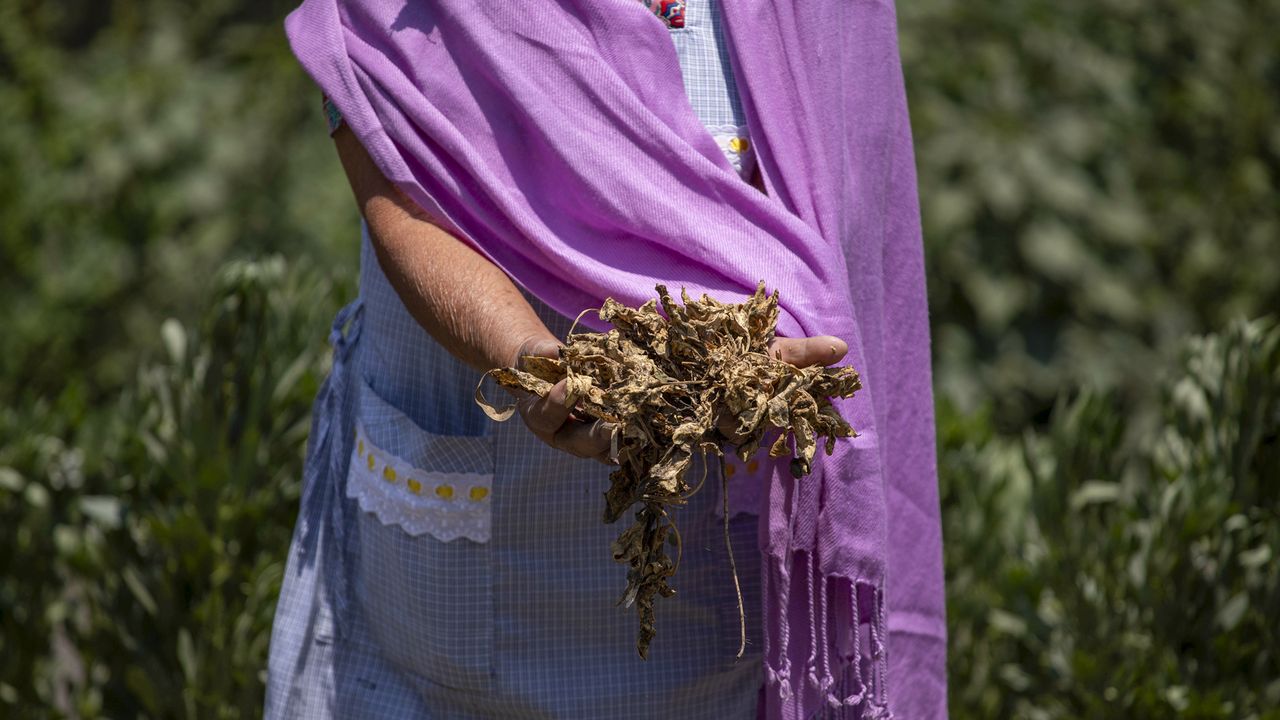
<point>456,294</point>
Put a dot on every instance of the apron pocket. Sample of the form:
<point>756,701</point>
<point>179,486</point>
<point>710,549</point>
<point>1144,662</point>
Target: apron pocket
<point>425,581</point>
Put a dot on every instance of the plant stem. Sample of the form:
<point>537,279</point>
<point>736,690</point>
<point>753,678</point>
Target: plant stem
<point>733,566</point>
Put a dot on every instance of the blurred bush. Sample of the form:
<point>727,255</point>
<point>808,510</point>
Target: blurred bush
<point>143,143</point>
<point>145,544</point>
<point>1104,570</point>
<point>1098,183</point>
<point>1098,179</point>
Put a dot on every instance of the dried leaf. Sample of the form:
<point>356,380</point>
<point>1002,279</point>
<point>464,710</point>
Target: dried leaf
<point>665,380</point>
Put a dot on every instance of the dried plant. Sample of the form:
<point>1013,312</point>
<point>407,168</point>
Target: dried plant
<point>691,380</point>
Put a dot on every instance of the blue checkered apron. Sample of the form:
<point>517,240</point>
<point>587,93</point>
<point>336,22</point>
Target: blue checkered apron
<point>378,621</point>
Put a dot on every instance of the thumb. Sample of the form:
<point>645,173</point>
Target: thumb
<point>543,346</point>
<point>806,351</point>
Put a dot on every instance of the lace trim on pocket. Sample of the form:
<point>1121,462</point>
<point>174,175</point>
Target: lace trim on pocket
<point>446,506</point>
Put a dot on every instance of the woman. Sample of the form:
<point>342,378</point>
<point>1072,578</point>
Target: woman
<point>447,567</point>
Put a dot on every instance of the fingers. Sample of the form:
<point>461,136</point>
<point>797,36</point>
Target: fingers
<point>816,350</point>
<point>586,440</point>
<point>552,422</point>
<point>545,415</point>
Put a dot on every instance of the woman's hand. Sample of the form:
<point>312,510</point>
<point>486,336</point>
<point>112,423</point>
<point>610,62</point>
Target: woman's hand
<point>801,352</point>
<point>555,423</point>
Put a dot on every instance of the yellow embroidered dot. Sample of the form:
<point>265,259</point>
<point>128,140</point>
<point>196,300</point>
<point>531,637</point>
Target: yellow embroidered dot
<point>479,493</point>
<point>389,474</point>
<point>360,447</point>
<point>729,470</point>
<point>372,462</point>
<point>415,487</point>
<point>445,491</point>
<point>739,144</point>
<point>753,466</point>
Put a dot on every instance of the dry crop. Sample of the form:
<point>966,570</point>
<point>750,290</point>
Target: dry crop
<point>691,380</point>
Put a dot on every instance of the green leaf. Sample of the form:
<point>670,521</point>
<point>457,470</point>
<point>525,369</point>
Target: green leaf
<point>175,340</point>
<point>139,590</point>
<point>11,480</point>
<point>143,688</point>
<point>1006,622</point>
<point>1256,557</point>
<point>1095,492</point>
<point>1230,615</point>
<point>102,509</point>
<point>187,659</point>
<point>37,496</point>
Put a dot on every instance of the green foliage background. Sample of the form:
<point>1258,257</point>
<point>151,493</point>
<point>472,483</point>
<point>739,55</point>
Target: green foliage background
<point>1098,183</point>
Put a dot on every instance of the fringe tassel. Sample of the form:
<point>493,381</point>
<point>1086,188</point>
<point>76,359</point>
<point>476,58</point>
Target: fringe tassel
<point>766,628</point>
<point>879,658</point>
<point>811,665</point>
<point>854,657</point>
<point>850,679</point>
<point>778,672</point>
<point>879,662</point>
<point>882,656</point>
<point>826,630</point>
<point>784,637</point>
